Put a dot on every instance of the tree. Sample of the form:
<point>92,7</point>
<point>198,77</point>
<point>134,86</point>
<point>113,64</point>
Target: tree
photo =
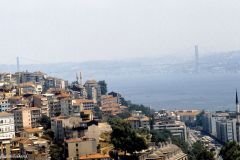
<point>45,121</point>
<point>97,112</point>
<point>199,152</point>
<point>56,152</point>
<point>103,87</point>
<point>181,143</point>
<point>48,134</point>
<point>124,137</point>
<point>160,135</point>
<point>145,110</point>
<point>230,151</point>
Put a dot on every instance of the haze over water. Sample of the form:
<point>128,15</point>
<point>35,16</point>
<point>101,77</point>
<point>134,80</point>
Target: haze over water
<point>179,91</point>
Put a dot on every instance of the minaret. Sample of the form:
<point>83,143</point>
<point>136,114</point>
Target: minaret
<point>237,108</point>
<point>81,79</point>
<point>237,117</point>
<point>77,78</point>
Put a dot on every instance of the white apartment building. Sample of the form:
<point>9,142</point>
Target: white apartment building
<point>7,128</point>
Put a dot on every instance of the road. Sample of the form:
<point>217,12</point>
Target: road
<point>209,142</point>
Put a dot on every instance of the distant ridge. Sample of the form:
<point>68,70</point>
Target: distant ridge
<point>225,62</point>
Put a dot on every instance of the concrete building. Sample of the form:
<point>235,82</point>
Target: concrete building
<point>7,128</point>
<point>93,131</point>
<point>54,106</point>
<point>6,77</point>
<point>165,152</point>
<point>210,119</point>
<point>32,132</point>
<point>82,104</point>
<point>73,148</point>
<point>54,102</point>
<point>188,116</point>
<point>139,120</point>
<point>178,129</point>
<point>226,130</point>
<point>29,88</point>
<point>74,107</point>
<point>35,148</point>
<point>110,105</point>
<point>41,101</point>
<point>65,127</point>
<point>93,90</point>
<point>118,96</point>
<point>66,106</point>
<point>4,105</point>
<point>7,132</point>
<point>238,118</point>
<point>35,77</point>
<point>27,118</point>
<point>53,82</point>
<point>86,115</point>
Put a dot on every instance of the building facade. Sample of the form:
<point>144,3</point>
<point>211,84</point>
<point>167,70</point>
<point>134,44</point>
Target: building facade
<point>27,118</point>
<point>4,105</point>
<point>226,130</point>
<point>178,129</point>
<point>7,132</point>
<point>76,147</point>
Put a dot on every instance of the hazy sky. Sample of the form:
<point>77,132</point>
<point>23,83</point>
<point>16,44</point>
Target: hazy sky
<point>80,30</point>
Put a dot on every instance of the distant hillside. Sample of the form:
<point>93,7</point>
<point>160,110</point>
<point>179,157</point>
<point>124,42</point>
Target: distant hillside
<point>215,63</point>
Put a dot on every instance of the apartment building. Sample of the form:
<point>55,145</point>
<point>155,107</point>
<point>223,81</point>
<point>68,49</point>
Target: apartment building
<point>226,130</point>
<point>7,132</point>
<point>41,101</point>
<point>4,105</point>
<point>139,120</point>
<point>93,90</point>
<point>73,148</point>
<point>65,127</point>
<point>7,129</point>
<point>178,129</point>
<point>27,118</point>
<point>110,105</point>
<point>82,104</point>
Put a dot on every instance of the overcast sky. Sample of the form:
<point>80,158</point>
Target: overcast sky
<point>80,30</point>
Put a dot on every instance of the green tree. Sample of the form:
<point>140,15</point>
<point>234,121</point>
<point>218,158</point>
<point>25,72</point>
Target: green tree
<point>181,143</point>
<point>45,121</point>
<point>97,112</point>
<point>160,135</point>
<point>199,152</point>
<point>124,137</point>
<point>56,152</point>
<point>103,87</point>
<point>230,151</point>
<point>48,134</point>
<point>135,107</point>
